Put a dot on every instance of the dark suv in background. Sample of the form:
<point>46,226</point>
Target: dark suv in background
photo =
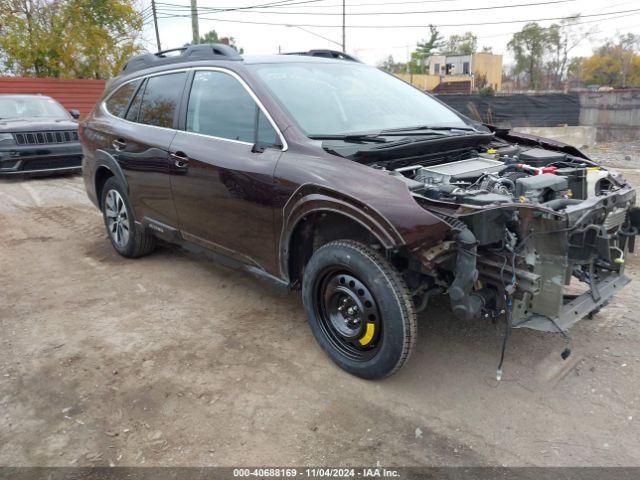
<point>37,135</point>
<point>372,197</point>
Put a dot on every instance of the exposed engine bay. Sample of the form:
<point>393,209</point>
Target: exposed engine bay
<point>537,234</point>
<point>535,176</point>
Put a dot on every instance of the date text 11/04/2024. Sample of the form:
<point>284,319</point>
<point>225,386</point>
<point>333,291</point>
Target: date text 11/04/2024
<point>367,472</point>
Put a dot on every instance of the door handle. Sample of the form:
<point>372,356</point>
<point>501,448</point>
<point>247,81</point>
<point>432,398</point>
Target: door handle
<point>180,160</point>
<point>119,144</point>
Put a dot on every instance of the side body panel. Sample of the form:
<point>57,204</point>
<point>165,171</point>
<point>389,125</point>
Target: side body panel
<point>372,198</point>
<point>223,197</point>
<point>143,159</point>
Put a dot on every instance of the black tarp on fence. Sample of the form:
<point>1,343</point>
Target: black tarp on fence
<point>544,110</point>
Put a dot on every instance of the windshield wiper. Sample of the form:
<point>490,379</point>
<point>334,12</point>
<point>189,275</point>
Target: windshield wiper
<point>422,129</point>
<point>353,137</point>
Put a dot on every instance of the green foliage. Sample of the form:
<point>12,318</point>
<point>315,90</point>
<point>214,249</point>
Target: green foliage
<point>465,44</point>
<point>212,37</point>
<point>616,63</point>
<point>486,91</point>
<point>68,38</point>
<point>528,47</point>
<point>424,49</point>
<point>561,40</point>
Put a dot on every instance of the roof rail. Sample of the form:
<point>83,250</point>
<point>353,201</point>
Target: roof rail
<point>207,51</point>
<point>326,54</point>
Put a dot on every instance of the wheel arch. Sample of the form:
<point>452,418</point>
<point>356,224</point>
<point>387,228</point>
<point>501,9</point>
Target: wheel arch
<point>106,167</point>
<point>315,216</point>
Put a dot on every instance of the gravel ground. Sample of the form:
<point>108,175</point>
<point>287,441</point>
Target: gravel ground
<point>174,360</point>
<point>616,154</point>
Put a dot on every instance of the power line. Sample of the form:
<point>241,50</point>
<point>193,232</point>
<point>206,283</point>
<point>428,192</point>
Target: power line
<point>386,26</point>
<point>513,33</point>
<point>406,2</point>
<point>316,35</point>
<point>307,4</point>
<point>499,7</point>
<point>281,3</point>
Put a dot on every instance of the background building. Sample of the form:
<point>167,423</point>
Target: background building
<point>459,73</point>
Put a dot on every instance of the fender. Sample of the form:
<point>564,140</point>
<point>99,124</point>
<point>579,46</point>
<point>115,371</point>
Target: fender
<point>103,159</point>
<point>309,198</point>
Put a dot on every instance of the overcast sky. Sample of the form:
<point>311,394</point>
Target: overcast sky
<point>374,44</point>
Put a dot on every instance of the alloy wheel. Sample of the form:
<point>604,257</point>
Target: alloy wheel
<point>117,218</point>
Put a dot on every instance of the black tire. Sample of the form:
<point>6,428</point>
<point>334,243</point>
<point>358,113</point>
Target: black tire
<point>138,242</point>
<point>349,270</point>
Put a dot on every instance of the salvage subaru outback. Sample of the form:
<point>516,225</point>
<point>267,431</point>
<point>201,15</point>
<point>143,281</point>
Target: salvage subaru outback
<point>370,196</point>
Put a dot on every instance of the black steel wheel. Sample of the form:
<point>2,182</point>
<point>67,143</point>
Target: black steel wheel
<point>348,314</point>
<point>359,309</point>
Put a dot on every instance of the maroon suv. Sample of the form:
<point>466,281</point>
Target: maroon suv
<point>372,197</point>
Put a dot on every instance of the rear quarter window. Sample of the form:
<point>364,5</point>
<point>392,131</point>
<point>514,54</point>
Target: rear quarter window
<point>117,103</point>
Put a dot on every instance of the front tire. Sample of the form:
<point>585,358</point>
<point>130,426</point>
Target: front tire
<point>359,309</point>
<point>128,238</point>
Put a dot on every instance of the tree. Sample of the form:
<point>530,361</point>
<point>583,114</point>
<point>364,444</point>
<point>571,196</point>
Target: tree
<point>464,44</point>
<point>68,38</point>
<point>615,63</point>
<point>212,37</point>
<point>390,65</point>
<point>561,40</point>
<point>529,47</point>
<point>424,49</point>
<point>427,47</point>
<point>574,71</point>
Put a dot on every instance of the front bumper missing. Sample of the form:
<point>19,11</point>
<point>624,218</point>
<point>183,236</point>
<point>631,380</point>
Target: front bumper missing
<point>577,308</point>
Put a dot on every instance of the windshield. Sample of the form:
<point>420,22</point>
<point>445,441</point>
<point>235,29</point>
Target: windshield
<point>347,97</point>
<point>22,107</point>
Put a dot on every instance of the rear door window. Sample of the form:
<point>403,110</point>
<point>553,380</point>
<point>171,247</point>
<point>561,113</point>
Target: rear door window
<point>221,107</point>
<point>118,101</point>
<point>161,99</point>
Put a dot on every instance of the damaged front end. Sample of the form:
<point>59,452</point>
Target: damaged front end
<point>538,233</point>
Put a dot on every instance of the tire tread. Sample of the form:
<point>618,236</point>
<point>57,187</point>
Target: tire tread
<point>400,290</point>
<point>143,242</point>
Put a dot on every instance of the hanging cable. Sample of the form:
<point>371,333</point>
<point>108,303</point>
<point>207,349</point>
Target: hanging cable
<point>387,26</point>
<point>498,7</point>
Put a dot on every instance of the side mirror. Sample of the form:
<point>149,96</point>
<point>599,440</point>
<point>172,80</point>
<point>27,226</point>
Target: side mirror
<point>74,113</point>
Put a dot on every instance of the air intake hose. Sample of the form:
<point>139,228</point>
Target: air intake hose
<point>466,304</point>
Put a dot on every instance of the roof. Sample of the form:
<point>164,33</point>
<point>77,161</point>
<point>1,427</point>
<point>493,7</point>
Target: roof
<point>288,58</point>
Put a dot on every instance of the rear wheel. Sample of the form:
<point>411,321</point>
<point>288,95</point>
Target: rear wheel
<point>128,238</point>
<point>359,309</point>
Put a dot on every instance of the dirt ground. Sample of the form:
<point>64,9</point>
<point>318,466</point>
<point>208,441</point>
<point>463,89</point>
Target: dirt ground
<point>174,360</point>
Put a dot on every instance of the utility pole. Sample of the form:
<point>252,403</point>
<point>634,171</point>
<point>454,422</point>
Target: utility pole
<point>194,22</point>
<point>155,24</point>
<point>344,28</point>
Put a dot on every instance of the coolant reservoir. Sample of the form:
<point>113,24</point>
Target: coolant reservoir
<point>594,175</point>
